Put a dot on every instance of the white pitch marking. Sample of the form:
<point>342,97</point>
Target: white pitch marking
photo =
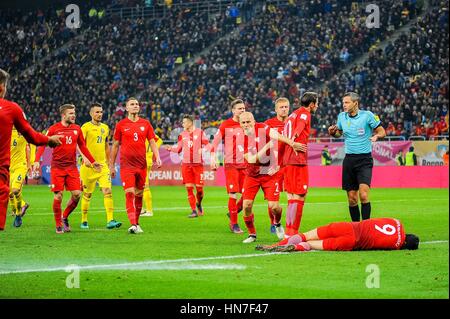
<point>434,242</point>
<point>136,265</point>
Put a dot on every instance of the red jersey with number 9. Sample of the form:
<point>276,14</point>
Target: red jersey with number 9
<point>379,233</point>
<point>132,136</point>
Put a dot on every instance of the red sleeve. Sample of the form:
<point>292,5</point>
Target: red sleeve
<point>205,142</point>
<point>40,149</point>
<point>22,125</point>
<point>179,147</point>
<point>82,145</point>
<point>300,125</point>
<point>151,132</point>
<point>218,138</point>
<point>118,133</point>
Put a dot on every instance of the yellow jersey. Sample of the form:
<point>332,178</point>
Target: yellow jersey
<point>96,138</point>
<point>149,153</point>
<point>18,149</point>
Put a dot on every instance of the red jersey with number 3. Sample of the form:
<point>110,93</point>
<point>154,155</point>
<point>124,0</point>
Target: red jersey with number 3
<point>65,155</point>
<point>279,126</point>
<point>132,136</point>
<point>379,233</point>
<point>297,127</point>
<point>230,132</point>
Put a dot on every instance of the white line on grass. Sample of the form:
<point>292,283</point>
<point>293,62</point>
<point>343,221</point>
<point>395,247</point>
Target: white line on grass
<point>170,264</point>
<point>255,205</point>
<point>185,262</point>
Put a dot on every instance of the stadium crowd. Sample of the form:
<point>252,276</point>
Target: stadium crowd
<point>279,51</point>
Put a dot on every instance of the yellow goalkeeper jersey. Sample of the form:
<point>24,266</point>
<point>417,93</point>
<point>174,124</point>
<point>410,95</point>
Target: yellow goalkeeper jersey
<point>96,138</point>
<point>149,154</point>
<point>18,148</point>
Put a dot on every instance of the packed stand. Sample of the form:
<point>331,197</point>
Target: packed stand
<point>406,84</point>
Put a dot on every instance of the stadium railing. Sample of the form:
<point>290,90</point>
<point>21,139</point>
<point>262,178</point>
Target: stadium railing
<point>417,138</point>
<point>438,137</point>
<point>160,11</point>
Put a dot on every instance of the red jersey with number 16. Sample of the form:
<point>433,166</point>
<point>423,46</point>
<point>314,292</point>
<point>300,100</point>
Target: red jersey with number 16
<point>132,136</point>
<point>65,155</point>
<point>297,127</point>
<point>379,233</point>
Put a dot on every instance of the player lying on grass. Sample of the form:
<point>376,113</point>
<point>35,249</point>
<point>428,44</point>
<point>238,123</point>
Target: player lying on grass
<point>370,234</point>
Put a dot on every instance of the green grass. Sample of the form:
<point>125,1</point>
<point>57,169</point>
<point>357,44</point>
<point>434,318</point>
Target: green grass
<point>170,235</point>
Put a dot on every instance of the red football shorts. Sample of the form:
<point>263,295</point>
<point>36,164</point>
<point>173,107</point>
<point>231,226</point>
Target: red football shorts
<point>234,179</point>
<point>337,236</point>
<point>269,185</point>
<point>133,177</point>
<point>192,174</point>
<point>296,179</point>
<point>68,178</point>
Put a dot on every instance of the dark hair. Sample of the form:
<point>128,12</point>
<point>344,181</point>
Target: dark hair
<point>95,104</point>
<point>189,117</point>
<point>235,102</point>
<point>64,107</point>
<point>308,98</point>
<point>354,96</point>
<point>4,76</point>
<point>411,242</point>
<point>411,148</point>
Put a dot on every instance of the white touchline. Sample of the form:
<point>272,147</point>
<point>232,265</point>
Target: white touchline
<point>143,264</point>
<point>186,263</point>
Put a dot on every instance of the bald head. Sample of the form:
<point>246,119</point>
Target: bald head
<point>247,122</point>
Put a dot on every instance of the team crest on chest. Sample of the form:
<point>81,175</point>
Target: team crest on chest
<point>75,132</point>
<point>142,128</point>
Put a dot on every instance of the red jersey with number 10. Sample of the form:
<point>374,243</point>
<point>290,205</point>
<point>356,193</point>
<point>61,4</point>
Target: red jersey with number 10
<point>379,233</point>
<point>65,155</point>
<point>132,136</point>
<point>297,127</point>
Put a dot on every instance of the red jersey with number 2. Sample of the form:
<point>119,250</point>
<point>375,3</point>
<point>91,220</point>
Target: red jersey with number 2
<point>132,136</point>
<point>379,233</point>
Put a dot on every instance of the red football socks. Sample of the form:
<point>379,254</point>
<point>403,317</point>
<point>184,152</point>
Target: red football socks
<point>191,197</point>
<point>199,195</point>
<point>57,212</point>
<point>71,205</point>
<point>131,210</point>
<point>239,205</point>
<point>249,223</point>
<point>232,208</point>
<point>294,216</point>
<point>138,207</point>
<point>271,216</point>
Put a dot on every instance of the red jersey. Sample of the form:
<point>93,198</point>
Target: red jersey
<point>253,144</point>
<point>379,233</point>
<point>65,155</point>
<point>132,136</point>
<point>12,115</point>
<point>297,127</point>
<point>279,126</point>
<point>231,134</point>
<point>190,143</point>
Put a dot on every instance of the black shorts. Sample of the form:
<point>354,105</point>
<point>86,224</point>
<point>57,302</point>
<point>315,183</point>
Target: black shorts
<point>356,169</point>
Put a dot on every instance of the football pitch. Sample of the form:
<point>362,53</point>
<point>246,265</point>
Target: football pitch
<point>179,257</point>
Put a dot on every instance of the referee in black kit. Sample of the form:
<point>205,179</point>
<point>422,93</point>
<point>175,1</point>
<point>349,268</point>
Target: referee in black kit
<point>357,127</point>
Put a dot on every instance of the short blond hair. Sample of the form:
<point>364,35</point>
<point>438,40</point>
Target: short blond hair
<point>282,99</point>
